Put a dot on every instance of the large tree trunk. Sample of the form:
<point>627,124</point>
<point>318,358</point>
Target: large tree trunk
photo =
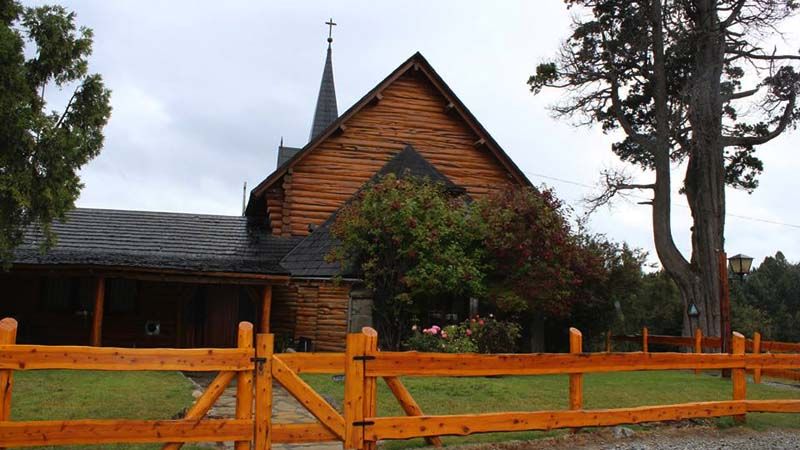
<point>705,175</point>
<point>698,281</point>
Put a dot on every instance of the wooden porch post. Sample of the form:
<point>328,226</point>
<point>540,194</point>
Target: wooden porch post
<point>266,306</point>
<point>97,318</point>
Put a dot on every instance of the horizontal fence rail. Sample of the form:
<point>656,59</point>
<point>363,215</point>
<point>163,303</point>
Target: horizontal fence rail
<point>450,364</point>
<point>699,342</point>
<point>38,357</point>
<point>27,434</point>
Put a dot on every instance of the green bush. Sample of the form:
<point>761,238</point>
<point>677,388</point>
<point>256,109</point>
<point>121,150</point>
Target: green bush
<point>495,336</point>
<point>484,335</point>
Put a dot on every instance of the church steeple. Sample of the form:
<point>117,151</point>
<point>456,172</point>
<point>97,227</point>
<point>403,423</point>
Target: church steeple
<point>326,111</point>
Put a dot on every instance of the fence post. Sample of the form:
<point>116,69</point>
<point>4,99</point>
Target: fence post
<point>244,383</point>
<point>370,383</point>
<point>608,341</point>
<point>264,348</point>
<point>644,340</point>
<point>698,345</point>
<point>756,351</point>
<point>354,390</point>
<point>8,335</point>
<point>575,379</point>
<point>739,375</point>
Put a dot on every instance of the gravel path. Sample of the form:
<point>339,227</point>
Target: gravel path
<point>667,438</point>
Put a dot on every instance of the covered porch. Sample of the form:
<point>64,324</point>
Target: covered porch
<point>125,308</point>
<point>144,279</point>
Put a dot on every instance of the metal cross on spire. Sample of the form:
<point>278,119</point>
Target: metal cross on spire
<point>330,23</point>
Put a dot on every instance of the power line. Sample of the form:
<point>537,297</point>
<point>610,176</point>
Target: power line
<point>738,216</point>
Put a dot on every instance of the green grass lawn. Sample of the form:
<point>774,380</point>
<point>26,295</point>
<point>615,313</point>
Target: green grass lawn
<point>607,390</point>
<point>73,394</point>
<point>64,395</point>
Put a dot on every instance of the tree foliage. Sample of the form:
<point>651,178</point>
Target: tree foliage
<point>515,250</point>
<point>768,300</point>
<point>538,263</point>
<point>42,150</point>
<point>681,81</point>
<point>411,240</point>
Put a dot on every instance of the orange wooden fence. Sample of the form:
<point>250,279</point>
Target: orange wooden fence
<point>699,342</point>
<point>383,364</point>
<point>255,367</point>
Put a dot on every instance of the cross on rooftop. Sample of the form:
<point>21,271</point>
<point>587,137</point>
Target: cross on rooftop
<point>330,23</point>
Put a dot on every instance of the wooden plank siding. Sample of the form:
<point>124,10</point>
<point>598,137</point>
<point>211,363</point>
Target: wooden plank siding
<point>411,111</point>
<point>312,309</point>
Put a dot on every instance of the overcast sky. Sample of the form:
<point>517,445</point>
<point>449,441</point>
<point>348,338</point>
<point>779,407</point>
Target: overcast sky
<point>204,91</point>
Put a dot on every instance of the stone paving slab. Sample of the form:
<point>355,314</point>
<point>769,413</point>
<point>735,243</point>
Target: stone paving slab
<point>285,409</point>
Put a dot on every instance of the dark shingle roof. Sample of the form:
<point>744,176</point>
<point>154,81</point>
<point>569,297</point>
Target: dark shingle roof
<point>157,240</point>
<point>307,259</point>
<point>285,154</point>
<point>326,111</point>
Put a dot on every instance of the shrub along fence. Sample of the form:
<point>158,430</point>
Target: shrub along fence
<point>256,367</point>
<point>699,343</point>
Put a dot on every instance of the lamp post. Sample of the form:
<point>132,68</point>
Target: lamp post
<point>740,265</point>
<point>693,314</point>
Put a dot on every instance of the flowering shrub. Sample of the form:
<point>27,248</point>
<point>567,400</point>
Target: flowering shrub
<point>484,335</point>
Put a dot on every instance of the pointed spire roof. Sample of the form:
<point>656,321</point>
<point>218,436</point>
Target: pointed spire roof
<point>326,111</point>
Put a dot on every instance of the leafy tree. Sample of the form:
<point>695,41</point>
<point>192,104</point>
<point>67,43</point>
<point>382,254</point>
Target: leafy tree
<point>41,150</point>
<point>541,268</point>
<point>412,240</point>
<point>769,300</point>
<point>684,81</point>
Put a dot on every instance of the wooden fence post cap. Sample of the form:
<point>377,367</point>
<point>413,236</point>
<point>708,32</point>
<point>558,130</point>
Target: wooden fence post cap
<point>244,325</point>
<point>738,335</point>
<point>573,330</point>
<point>369,331</point>
<point>8,324</point>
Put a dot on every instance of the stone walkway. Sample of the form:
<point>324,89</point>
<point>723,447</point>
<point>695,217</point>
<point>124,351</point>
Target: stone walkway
<point>285,409</point>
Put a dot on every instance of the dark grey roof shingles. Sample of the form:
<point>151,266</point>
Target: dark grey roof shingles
<point>286,153</point>
<point>157,240</point>
<point>326,111</point>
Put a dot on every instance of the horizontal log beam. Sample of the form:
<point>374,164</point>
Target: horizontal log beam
<point>773,406</point>
<point>324,363</point>
<point>59,432</point>
<point>792,375</point>
<point>466,424</point>
<point>34,357</point>
<point>292,433</point>
<point>772,361</point>
<point>681,341</point>
<point>442,364</point>
<point>780,347</point>
<point>135,273</point>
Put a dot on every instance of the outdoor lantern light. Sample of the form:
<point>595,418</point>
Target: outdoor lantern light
<point>740,264</point>
<point>693,312</point>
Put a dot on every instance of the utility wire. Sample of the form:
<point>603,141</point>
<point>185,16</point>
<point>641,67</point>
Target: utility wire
<point>738,216</point>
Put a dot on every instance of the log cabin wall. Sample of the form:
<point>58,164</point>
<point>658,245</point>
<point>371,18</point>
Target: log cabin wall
<point>411,111</point>
<point>312,309</point>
